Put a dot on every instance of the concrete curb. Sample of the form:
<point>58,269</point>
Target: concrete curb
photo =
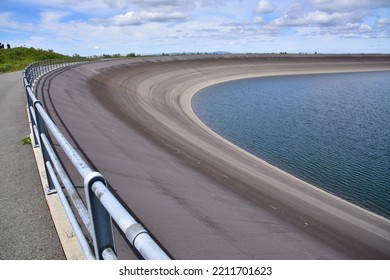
<point>68,239</point>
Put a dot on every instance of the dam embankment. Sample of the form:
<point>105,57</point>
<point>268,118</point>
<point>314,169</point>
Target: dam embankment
<point>201,196</point>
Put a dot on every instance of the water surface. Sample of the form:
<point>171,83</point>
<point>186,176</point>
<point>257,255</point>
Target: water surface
<point>331,130</point>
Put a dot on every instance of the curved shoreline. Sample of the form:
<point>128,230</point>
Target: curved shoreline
<point>187,108</point>
<point>202,122</point>
<point>153,96</point>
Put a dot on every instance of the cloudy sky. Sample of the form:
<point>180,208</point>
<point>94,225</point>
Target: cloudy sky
<point>90,27</point>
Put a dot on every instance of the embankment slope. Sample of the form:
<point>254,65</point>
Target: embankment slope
<point>201,196</point>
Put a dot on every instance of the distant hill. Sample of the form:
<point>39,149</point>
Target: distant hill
<point>18,58</point>
<point>193,53</point>
<point>221,52</point>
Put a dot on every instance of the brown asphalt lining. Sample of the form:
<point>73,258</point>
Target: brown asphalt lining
<point>201,196</point>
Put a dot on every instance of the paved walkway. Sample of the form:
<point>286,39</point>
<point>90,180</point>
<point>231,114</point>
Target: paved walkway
<point>26,228</point>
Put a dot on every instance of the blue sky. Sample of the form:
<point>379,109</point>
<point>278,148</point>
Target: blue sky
<point>94,27</point>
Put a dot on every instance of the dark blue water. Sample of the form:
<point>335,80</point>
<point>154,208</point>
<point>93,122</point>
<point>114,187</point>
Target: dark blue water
<point>331,130</point>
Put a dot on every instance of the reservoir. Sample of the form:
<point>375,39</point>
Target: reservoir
<point>331,130</point>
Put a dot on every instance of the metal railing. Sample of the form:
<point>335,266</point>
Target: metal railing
<point>101,205</point>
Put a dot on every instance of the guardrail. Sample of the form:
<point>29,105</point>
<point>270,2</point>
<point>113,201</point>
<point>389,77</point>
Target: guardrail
<point>102,206</point>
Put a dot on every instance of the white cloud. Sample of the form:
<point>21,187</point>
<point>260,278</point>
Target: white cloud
<point>259,20</point>
<point>352,30</point>
<point>264,7</point>
<point>154,26</point>
<point>5,17</point>
<point>383,21</point>
<point>50,17</point>
<point>213,3</point>
<point>146,11</point>
<point>145,4</point>
<point>143,17</point>
<point>130,18</point>
<point>164,16</point>
<point>347,5</point>
<point>271,30</point>
<point>315,18</point>
<point>117,4</point>
<point>10,25</point>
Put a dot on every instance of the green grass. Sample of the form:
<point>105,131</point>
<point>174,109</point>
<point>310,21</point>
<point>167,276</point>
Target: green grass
<point>18,58</point>
<point>26,140</point>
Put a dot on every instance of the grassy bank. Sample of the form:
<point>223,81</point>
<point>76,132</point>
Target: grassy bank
<point>18,58</point>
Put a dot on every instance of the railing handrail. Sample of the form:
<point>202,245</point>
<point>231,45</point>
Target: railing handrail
<point>102,205</point>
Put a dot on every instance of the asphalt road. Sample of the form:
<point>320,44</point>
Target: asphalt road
<point>26,228</point>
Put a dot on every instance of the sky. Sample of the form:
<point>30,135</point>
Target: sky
<point>95,27</point>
